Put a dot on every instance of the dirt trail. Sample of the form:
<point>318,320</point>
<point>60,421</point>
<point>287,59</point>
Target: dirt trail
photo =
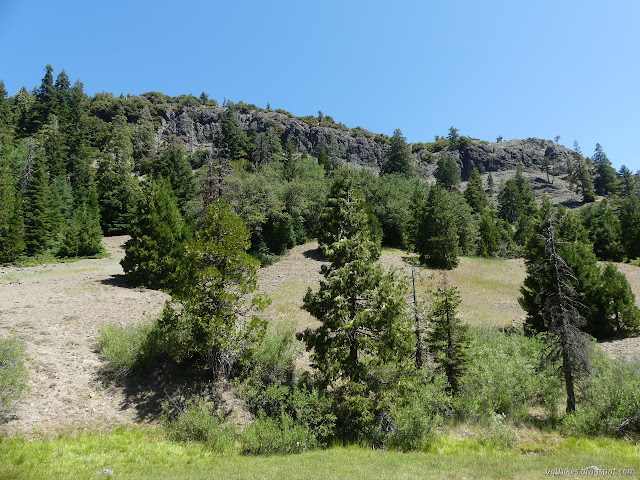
<point>57,310</point>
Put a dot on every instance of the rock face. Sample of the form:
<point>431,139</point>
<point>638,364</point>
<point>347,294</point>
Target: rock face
<point>199,128</point>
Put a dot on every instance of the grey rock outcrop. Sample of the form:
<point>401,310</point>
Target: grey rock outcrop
<point>199,128</point>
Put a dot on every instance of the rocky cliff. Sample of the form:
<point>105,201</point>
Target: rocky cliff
<point>198,127</point>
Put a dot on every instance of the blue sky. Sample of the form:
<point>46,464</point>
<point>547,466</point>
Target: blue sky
<point>512,68</point>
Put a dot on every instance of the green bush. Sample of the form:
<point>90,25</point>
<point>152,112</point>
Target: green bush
<point>132,347</point>
<point>13,376</point>
<point>283,435</point>
<point>270,389</point>
<point>504,378</point>
<point>610,400</point>
<point>414,418</point>
<point>199,421</point>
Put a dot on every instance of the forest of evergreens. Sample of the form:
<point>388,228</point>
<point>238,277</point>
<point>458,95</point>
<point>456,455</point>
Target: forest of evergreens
<point>384,370</point>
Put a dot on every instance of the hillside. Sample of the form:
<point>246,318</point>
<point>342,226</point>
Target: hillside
<point>199,128</point>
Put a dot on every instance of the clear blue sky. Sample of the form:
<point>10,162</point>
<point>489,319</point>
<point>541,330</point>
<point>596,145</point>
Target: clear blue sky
<point>512,68</point>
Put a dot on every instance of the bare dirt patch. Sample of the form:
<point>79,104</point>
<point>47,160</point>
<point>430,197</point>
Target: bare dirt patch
<point>57,310</point>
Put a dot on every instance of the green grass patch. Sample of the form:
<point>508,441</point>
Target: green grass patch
<point>13,375</point>
<point>146,454</point>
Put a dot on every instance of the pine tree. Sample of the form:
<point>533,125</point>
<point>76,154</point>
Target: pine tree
<point>489,236</point>
<point>605,231</point>
<point>158,234</point>
<point>447,338</point>
<point>117,188</point>
<point>552,293</point>
<point>36,194</point>
<point>12,241</point>
<point>627,182</point>
<point>581,175</point>
<point>616,313</point>
<point>447,173</point>
<point>630,224</point>
<point>576,251</point>
<point>174,166</point>
<point>438,240</point>
<point>474,194</point>
<point>361,309</point>
<point>399,158</point>
<point>234,140</point>
<point>214,319</point>
<point>605,175</point>
<point>83,236</point>
<point>516,199</point>
<point>490,187</point>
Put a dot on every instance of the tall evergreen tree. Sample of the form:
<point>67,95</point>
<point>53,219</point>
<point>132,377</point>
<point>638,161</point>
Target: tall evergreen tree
<point>627,182</point>
<point>437,242</point>
<point>447,338</point>
<point>117,188</point>
<point>399,158</point>
<point>36,194</point>
<point>616,313</point>
<point>234,140</point>
<point>174,166</point>
<point>447,173</point>
<point>361,310</point>
<point>551,293</point>
<point>158,234</point>
<point>605,175</point>
<point>630,224</point>
<point>12,241</point>
<point>516,199</point>
<point>474,194</point>
<point>581,175</point>
<point>605,231</point>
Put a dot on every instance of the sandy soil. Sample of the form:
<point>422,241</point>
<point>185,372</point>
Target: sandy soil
<point>57,310</point>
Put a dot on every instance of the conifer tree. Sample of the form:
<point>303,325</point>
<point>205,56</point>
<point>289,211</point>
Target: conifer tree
<point>474,194</point>
<point>447,338</point>
<point>399,158</point>
<point>215,319</point>
<point>36,194</point>
<point>552,294</point>
<point>158,234</point>
<point>581,175</point>
<point>174,166</point>
<point>12,241</point>
<point>117,188</point>
<point>605,175</point>
<point>447,173</point>
<point>488,243</point>
<point>361,309</point>
<point>630,224</point>
<point>616,313</point>
<point>438,240</point>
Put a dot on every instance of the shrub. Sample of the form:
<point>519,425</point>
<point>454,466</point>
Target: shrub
<point>422,403</point>
<point>270,389</point>
<point>13,376</point>
<point>269,436</point>
<point>198,420</point>
<point>610,401</point>
<point>504,378</point>
<point>132,348</point>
